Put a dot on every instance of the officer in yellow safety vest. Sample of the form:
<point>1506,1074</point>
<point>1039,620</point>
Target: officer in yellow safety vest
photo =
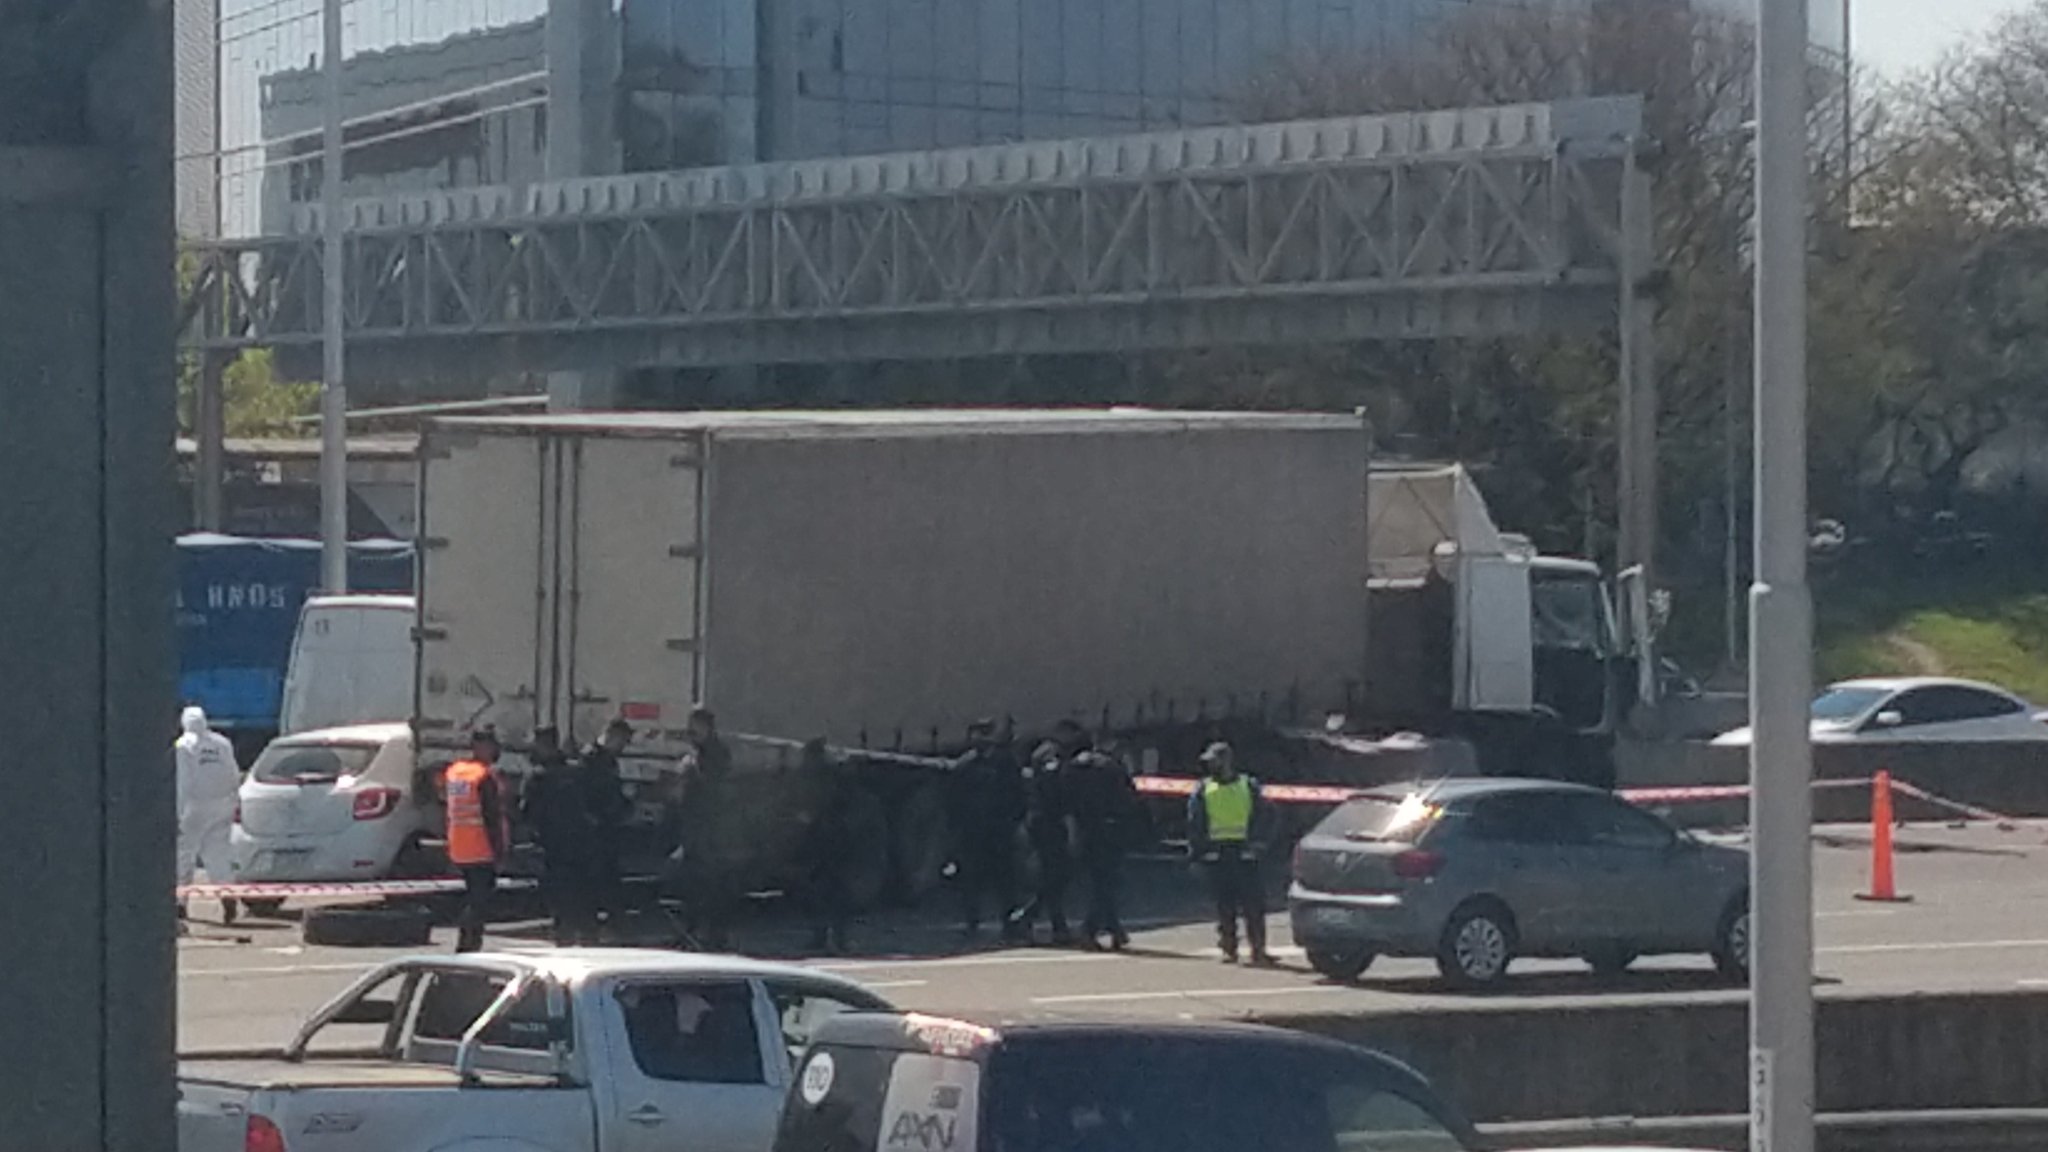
<point>477,832</point>
<point>1226,815</point>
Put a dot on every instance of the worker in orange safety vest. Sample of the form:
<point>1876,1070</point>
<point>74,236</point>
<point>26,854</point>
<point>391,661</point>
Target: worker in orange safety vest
<point>478,835</point>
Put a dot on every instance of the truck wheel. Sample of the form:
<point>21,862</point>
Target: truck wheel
<point>367,927</point>
<point>921,836</point>
<point>867,868</point>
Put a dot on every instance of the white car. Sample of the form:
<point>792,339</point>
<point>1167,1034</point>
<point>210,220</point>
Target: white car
<point>331,805</point>
<point>1920,709</point>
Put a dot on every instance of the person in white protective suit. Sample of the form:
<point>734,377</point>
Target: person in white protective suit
<point>208,779</point>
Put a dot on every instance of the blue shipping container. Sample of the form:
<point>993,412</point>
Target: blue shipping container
<point>238,605</point>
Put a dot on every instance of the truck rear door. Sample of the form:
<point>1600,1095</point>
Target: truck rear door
<point>485,605</point>
<point>632,586</point>
<point>559,584</point>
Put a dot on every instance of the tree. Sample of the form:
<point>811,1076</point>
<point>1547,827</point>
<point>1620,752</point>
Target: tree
<point>255,403</point>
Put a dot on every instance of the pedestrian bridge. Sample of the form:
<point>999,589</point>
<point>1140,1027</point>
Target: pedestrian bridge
<point>1467,222</point>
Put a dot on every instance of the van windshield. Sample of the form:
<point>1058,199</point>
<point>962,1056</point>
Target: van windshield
<point>1105,1094</point>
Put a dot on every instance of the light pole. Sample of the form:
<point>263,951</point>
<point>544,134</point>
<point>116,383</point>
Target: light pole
<point>333,390</point>
<point>1781,1075</point>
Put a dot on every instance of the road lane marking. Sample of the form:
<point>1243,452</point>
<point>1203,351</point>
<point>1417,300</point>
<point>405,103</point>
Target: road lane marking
<point>1932,946</point>
<point>1190,994</point>
<point>1003,960</point>
<point>278,970</point>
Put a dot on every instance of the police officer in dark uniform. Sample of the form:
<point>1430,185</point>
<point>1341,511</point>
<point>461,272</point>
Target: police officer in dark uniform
<point>1047,826</point>
<point>988,806</point>
<point>1104,803</point>
<point>556,805</point>
<point>827,850</point>
<point>610,812</point>
<point>705,873</point>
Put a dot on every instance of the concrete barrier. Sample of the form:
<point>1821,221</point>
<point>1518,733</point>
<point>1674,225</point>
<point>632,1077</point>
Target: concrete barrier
<point>2022,1130</point>
<point>1506,1061</point>
<point>2010,778</point>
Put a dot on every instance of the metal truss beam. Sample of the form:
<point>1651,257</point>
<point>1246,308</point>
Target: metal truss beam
<point>1470,222</point>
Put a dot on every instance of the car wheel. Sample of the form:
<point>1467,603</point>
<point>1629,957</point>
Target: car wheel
<point>264,909</point>
<point>1477,945</point>
<point>1612,960</point>
<point>1340,964</point>
<point>1731,941</point>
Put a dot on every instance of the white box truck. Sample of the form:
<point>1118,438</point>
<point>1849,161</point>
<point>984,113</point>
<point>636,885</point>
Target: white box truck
<point>881,578</point>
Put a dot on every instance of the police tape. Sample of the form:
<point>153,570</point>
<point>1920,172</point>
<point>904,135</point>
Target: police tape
<point>1646,797</point>
<point>338,888</point>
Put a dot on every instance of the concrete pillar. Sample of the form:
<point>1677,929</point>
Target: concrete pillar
<point>209,433</point>
<point>776,44</point>
<point>87,427</point>
<point>583,55</point>
<point>584,390</point>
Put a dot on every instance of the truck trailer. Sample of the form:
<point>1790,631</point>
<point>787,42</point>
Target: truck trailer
<point>880,579</point>
<point>877,580</point>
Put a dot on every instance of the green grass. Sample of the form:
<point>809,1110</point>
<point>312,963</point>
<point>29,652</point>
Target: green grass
<point>1986,628</point>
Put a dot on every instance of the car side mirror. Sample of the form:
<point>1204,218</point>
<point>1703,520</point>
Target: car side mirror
<point>1889,718</point>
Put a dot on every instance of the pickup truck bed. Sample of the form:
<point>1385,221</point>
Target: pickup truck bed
<point>276,1073</point>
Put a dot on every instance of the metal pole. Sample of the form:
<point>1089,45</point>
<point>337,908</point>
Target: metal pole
<point>333,389</point>
<point>1781,1075</point>
<point>1731,515</point>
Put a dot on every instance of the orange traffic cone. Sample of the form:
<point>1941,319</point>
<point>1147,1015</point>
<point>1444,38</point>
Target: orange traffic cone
<point>1883,885</point>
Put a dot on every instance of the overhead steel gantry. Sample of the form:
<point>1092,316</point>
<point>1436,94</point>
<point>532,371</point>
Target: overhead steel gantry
<point>1467,222</point>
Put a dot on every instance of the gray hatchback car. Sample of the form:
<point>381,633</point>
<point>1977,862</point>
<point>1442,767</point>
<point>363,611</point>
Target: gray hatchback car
<point>1476,872</point>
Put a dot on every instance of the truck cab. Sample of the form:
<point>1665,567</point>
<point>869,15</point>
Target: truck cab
<point>1471,628</point>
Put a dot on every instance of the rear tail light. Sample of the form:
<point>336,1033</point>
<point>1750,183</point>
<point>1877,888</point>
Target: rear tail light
<point>1418,864</point>
<point>238,812</point>
<point>376,803</point>
<point>262,1135</point>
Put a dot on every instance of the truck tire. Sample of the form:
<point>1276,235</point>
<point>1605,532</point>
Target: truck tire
<point>921,838</point>
<point>867,869</point>
<point>367,927</point>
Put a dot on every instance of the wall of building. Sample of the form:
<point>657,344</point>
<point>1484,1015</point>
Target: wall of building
<point>196,115</point>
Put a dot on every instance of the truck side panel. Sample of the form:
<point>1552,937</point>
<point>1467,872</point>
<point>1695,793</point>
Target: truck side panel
<point>891,588</point>
<point>486,618</point>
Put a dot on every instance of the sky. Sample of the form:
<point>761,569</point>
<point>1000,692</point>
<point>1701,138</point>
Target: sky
<point>1896,36</point>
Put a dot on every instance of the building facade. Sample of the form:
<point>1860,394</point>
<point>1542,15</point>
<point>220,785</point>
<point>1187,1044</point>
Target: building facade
<point>441,93</point>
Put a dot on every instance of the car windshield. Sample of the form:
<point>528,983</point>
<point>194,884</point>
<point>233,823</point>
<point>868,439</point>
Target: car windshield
<point>311,763</point>
<point>1843,703</point>
<point>1118,1094</point>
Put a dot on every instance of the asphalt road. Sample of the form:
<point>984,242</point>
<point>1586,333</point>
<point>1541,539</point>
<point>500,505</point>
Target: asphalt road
<point>1978,920</point>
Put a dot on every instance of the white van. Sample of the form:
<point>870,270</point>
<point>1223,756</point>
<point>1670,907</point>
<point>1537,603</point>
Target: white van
<point>351,663</point>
